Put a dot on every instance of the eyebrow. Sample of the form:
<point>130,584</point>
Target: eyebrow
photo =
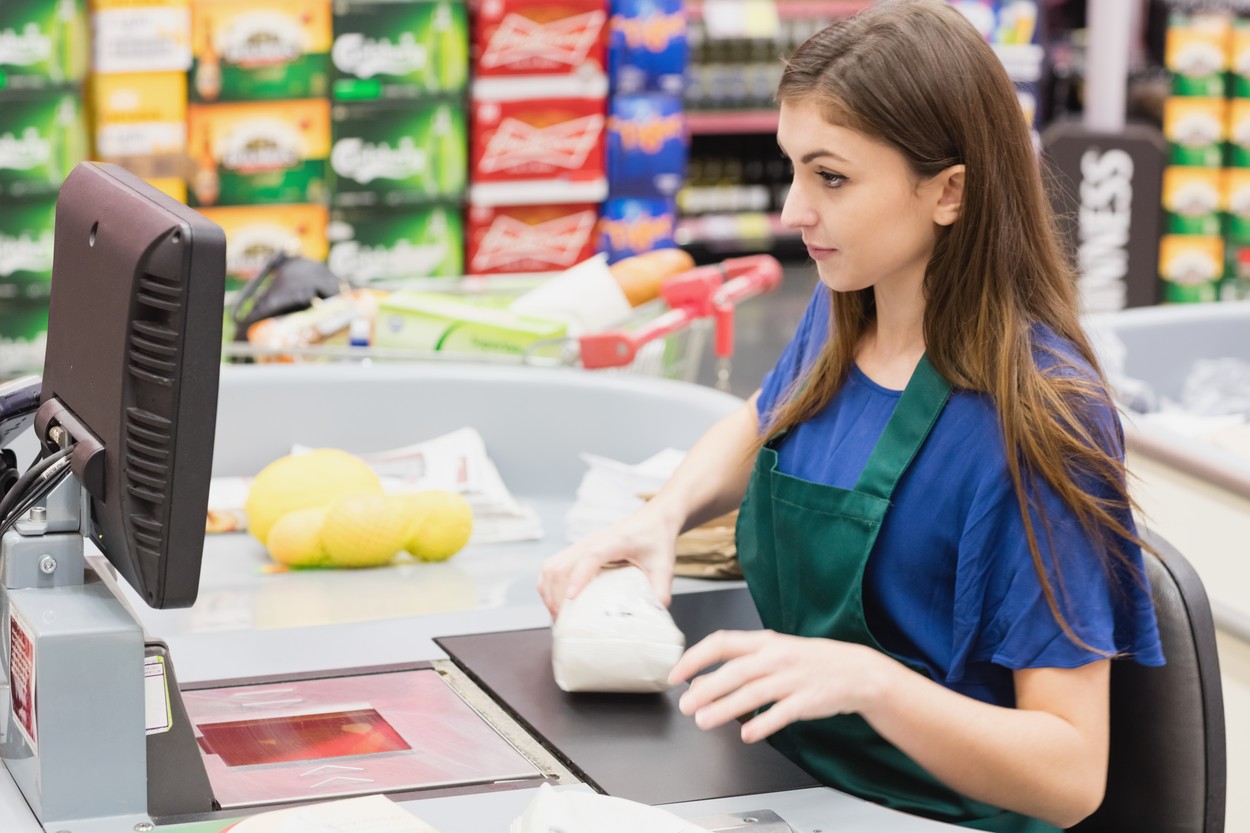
<point>815,154</point>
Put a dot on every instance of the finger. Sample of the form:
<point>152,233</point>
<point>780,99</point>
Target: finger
<point>551,589</point>
<point>725,680</point>
<point>768,723</point>
<point>583,570</point>
<point>754,695</point>
<point>661,577</point>
<point>718,647</point>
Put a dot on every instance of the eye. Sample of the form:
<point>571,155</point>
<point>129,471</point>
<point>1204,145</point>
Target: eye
<point>832,180</point>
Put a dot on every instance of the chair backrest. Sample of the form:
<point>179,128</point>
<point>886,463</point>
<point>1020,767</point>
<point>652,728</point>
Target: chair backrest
<point>1167,771</point>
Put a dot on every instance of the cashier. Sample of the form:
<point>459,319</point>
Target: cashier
<point>934,520</point>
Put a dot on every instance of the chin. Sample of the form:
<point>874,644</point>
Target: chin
<point>838,280</point>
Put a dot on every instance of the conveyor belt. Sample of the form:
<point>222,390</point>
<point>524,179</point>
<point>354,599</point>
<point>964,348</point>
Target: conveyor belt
<point>636,746</point>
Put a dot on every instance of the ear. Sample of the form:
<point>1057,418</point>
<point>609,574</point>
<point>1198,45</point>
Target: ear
<point>951,198</point>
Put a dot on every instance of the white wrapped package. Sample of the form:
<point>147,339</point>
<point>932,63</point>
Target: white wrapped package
<point>615,636</point>
<point>565,811</point>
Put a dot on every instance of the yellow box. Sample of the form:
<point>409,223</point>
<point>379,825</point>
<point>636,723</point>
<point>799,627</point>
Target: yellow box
<point>259,152</point>
<point>139,114</point>
<point>1191,267</point>
<point>1195,129</point>
<point>1191,199</point>
<point>254,234</point>
<point>1238,132</point>
<point>244,50</point>
<point>175,188</point>
<point>140,35</point>
<point>1199,47</point>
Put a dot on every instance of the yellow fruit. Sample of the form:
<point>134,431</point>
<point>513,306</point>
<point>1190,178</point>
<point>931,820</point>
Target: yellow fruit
<point>440,524</point>
<point>300,481</point>
<point>295,540</point>
<point>364,530</point>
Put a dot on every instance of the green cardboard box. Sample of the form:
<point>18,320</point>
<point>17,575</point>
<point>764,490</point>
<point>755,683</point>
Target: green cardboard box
<point>398,49</point>
<point>43,43</point>
<point>43,135</point>
<point>23,337</point>
<point>369,246</point>
<point>398,153</point>
<point>26,251</point>
<point>445,323</point>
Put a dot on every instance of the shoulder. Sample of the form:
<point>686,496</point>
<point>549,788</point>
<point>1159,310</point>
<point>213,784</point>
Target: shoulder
<point>1088,402</point>
<point>1057,357</point>
<point>800,353</point>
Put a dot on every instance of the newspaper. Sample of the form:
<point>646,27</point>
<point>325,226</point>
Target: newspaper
<point>610,489</point>
<point>456,462</point>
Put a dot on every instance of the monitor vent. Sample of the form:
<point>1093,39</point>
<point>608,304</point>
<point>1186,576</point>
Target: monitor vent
<point>147,460</point>
<point>161,293</point>
<point>153,354</point>
<point>146,533</point>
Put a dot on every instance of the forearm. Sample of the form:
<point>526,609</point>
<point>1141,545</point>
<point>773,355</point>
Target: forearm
<point>713,477</point>
<point>1031,761</point>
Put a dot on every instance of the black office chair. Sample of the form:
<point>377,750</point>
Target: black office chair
<point>1168,771</point>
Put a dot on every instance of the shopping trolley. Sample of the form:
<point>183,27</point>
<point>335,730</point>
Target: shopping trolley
<point>666,337</point>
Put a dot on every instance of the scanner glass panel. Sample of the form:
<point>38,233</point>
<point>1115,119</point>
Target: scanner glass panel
<point>310,739</point>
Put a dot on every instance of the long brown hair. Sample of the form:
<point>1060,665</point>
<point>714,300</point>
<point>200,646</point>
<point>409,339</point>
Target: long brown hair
<point>917,76</point>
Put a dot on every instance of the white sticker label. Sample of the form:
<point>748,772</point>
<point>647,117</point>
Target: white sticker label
<point>22,680</point>
<point>157,715</point>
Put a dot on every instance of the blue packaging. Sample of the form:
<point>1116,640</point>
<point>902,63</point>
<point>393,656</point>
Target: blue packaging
<point>647,145</point>
<point>630,226</point>
<point>647,46</point>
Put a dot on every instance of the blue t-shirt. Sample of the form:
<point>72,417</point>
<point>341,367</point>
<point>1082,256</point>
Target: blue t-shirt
<point>950,584</point>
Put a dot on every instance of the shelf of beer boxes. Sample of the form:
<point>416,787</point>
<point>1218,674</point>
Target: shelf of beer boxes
<point>579,140</point>
<point>43,134</point>
<point>337,131</point>
<point>577,146</point>
<point>1204,254</point>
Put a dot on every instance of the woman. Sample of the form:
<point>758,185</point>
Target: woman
<point>934,523</point>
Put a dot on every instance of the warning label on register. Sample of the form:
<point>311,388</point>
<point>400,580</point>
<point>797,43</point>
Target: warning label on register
<point>22,680</point>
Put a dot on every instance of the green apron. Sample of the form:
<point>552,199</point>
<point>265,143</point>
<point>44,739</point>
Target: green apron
<point>803,548</point>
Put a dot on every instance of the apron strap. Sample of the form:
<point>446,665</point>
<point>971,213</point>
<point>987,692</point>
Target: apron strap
<point>914,415</point>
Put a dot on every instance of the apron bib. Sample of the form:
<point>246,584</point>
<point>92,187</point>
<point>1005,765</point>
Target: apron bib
<point>803,548</point>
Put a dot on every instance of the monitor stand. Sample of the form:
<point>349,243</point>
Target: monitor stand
<point>90,708</point>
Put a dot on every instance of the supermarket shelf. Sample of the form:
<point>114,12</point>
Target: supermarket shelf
<point>790,9</point>
<point>732,121</point>
<point>733,232</point>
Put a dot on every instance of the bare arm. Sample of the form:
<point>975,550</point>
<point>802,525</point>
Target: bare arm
<point>1045,758</point>
<point>709,482</point>
<point>713,478</point>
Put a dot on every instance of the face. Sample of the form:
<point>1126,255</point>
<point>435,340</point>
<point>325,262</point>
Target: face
<point>865,218</point>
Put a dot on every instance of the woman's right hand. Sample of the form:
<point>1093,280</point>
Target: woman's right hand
<point>645,539</point>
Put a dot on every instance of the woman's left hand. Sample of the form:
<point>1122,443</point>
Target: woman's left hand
<point>801,678</point>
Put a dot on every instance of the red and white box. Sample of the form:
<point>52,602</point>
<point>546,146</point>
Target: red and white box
<point>544,150</point>
<point>529,238</point>
<point>523,38</point>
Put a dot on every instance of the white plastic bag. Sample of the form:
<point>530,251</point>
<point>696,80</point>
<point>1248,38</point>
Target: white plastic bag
<point>566,811</point>
<point>615,636</point>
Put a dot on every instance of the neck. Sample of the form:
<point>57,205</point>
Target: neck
<point>899,328</point>
<point>894,343</point>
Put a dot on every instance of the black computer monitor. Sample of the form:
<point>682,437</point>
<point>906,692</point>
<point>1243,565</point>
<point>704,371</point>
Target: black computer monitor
<point>131,371</point>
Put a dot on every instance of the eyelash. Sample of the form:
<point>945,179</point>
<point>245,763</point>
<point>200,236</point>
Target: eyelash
<point>831,180</point>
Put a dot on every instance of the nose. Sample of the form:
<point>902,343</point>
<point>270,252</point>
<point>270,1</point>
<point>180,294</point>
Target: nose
<point>796,212</point>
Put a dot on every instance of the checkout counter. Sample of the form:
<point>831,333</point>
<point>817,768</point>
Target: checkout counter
<point>469,638</point>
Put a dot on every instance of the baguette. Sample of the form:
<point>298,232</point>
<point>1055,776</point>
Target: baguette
<point>640,276</point>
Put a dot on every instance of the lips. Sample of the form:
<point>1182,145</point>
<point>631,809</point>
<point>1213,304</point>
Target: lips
<point>819,252</point>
